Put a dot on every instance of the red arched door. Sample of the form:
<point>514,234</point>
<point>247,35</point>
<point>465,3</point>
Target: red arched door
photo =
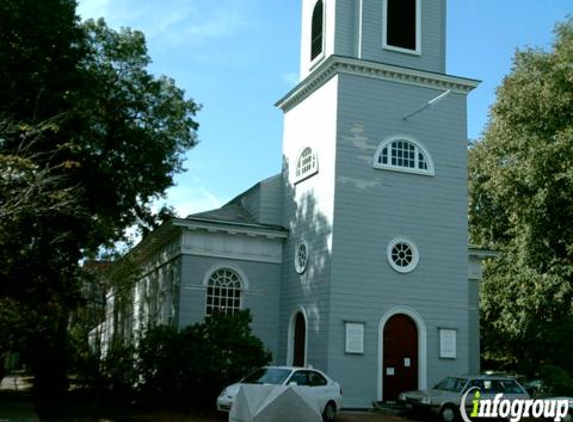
<point>299,340</point>
<point>400,356</point>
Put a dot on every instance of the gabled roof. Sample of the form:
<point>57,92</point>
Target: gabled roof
<point>229,212</point>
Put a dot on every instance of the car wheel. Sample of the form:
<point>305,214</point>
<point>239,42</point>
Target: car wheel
<point>329,412</point>
<point>448,413</point>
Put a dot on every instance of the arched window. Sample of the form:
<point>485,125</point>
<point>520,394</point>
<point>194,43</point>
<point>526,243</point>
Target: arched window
<point>402,24</point>
<point>306,165</point>
<point>403,154</point>
<point>317,30</point>
<point>224,289</point>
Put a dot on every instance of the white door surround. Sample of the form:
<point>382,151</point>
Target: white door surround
<point>291,335</point>
<point>422,346</point>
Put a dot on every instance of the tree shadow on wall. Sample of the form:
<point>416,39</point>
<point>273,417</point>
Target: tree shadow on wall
<point>307,213</point>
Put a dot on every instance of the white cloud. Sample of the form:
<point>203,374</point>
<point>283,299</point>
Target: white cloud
<point>176,22</point>
<point>191,196</point>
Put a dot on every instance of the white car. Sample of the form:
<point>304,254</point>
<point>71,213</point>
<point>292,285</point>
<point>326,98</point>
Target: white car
<point>446,396</point>
<point>319,387</point>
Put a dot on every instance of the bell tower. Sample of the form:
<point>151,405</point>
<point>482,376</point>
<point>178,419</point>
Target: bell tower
<point>409,33</point>
<point>375,177</point>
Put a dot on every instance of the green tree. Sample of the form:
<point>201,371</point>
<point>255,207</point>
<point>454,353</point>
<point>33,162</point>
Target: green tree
<point>521,204</point>
<point>34,200</point>
<point>116,138</point>
<point>40,47</point>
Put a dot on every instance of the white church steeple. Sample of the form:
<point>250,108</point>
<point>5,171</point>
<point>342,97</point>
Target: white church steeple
<point>408,33</point>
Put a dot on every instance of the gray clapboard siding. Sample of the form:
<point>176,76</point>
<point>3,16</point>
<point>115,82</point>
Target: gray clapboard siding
<point>373,206</point>
<point>346,33</point>
<point>262,297</point>
<point>271,201</point>
<point>264,201</point>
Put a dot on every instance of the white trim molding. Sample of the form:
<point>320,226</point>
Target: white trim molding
<point>334,65</point>
<point>422,346</point>
<point>227,246</point>
<point>227,266</point>
<point>418,50</point>
<point>419,149</point>
<point>290,334</point>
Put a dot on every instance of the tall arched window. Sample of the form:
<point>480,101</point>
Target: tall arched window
<point>403,154</point>
<point>402,24</point>
<point>306,164</point>
<point>223,292</point>
<point>317,31</point>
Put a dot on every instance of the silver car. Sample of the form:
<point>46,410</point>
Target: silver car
<point>446,396</point>
<point>317,386</point>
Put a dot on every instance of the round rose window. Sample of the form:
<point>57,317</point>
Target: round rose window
<point>402,255</point>
<point>301,256</point>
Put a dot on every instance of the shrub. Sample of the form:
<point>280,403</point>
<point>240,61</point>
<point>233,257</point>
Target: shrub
<point>192,366</point>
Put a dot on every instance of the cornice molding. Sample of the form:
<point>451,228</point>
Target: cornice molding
<point>231,228</point>
<point>335,65</point>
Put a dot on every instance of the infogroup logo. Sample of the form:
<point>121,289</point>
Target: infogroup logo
<point>514,409</point>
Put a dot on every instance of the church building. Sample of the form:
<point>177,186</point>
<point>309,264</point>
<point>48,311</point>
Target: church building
<point>354,259</point>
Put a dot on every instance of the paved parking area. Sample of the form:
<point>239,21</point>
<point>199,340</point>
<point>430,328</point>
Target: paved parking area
<point>343,416</point>
<point>21,410</point>
<point>369,417</point>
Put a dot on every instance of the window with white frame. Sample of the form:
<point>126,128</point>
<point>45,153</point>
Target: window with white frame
<point>224,290</point>
<point>301,256</point>
<point>402,255</point>
<point>306,165</point>
<point>403,154</point>
<point>402,25</point>
<point>317,30</point>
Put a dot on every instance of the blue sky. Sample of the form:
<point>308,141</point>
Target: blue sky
<point>238,57</point>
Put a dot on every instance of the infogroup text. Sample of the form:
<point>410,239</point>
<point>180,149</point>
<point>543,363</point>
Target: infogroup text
<point>513,409</point>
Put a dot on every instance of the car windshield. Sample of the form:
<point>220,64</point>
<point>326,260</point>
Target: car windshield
<point>268,376</point>
<point>451,384</point>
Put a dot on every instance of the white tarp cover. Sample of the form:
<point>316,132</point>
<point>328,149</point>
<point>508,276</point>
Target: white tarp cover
<point>273,403</point>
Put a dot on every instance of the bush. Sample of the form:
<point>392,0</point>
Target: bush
<point>161,364</point>
<point>191,367</point>
<point>110,375</point>
<point>185,369</point>
<point>119,373</point>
